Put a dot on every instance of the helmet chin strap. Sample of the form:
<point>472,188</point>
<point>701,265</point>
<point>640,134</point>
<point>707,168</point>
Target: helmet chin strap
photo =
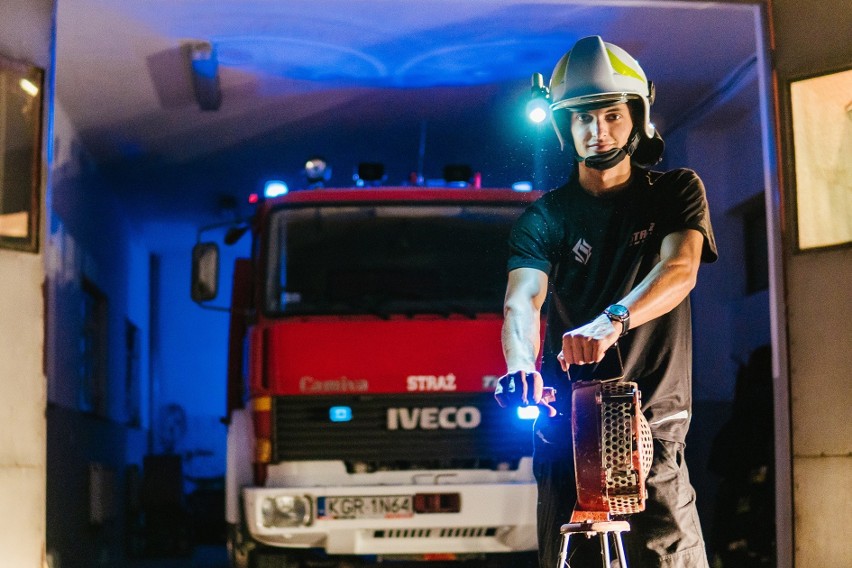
<point>610,159</point>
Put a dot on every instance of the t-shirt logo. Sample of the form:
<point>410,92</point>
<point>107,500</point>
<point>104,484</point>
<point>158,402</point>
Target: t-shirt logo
<point>640,236</point>
<point>582,251</point>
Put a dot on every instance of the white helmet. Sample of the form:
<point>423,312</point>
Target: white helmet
<point>595,74</point>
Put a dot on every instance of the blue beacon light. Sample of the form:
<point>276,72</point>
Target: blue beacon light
<point>274,188</point>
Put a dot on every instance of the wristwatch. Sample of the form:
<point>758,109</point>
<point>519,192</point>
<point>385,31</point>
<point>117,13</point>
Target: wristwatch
<point>617,312</point>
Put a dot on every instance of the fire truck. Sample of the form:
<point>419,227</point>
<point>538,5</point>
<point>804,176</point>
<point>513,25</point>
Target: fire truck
<point>364,345</point>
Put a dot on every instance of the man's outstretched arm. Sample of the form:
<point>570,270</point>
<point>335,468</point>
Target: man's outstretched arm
<point>521,336</point>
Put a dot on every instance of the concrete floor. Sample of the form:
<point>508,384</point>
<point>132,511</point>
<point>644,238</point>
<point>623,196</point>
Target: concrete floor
<point>208,556</point>
<point>214,556</point>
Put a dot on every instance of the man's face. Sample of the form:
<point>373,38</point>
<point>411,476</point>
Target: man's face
<point>601,130</point>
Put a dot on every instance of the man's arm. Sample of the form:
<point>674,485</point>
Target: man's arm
<point>525,294</point>
<point>666,286</point>
<point>522,384</point>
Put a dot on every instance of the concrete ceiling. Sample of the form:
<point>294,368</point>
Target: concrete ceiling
<point>358,79</point>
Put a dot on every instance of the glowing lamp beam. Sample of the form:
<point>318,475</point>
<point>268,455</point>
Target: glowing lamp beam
<point>538,115</point>
<point>537,110</point>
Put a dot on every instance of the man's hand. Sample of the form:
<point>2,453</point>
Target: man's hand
<point>522,387</point>
<point>588,343</point>
<point>518,388</point>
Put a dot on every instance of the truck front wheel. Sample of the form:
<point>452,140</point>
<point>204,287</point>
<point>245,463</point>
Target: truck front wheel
<point>240,547</point>
<point>243,552</point>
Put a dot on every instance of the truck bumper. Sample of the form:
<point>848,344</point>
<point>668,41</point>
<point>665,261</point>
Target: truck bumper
<point>491,518</point>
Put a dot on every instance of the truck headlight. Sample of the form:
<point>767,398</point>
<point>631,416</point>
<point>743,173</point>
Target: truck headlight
<point>286,511</point>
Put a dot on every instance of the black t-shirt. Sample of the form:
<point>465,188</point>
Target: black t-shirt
<point>594,251</point>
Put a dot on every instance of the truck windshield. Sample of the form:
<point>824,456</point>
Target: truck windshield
<point>388,260</point>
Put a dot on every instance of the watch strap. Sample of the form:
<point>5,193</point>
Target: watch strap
<point>619,313</point>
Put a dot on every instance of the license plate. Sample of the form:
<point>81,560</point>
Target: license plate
<point>359,507</point>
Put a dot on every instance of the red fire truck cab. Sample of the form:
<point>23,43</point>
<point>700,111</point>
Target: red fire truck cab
<point>364,347</point>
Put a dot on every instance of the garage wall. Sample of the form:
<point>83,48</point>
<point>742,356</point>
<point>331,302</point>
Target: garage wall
<point>819,300</point>
<point>90,244</point>
<point>26,28</point>
<point>811,310</point>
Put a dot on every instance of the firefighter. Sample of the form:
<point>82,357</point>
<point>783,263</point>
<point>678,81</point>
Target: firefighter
<point>619,246</point>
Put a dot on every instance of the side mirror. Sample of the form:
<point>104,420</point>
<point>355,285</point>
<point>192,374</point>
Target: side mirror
<point>205,272</point>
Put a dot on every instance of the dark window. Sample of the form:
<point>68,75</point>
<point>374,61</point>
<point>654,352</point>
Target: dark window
<point>385,260</point>
<point>132,387</point>
<point>20,152</point>
<point>92,371</point>
<point>755,243</point>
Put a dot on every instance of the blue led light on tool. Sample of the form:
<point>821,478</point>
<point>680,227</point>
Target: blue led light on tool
<point>527,412</point>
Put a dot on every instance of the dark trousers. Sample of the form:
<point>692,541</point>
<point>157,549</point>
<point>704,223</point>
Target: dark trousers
<point>667,534</point>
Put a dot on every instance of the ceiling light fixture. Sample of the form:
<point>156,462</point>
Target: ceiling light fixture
<point>28,87</point>
<point>204,72</point>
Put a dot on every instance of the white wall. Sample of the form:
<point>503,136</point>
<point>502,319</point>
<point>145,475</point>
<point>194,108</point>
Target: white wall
<point>22,400</point>
<point>25,34</point>
<point>821,361</point>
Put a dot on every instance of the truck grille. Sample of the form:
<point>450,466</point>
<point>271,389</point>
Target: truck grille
<point>455,532</point>
<point>422,431</point>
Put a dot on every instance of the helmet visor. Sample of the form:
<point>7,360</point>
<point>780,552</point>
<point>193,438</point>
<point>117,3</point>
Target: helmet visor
<point>592,102</point>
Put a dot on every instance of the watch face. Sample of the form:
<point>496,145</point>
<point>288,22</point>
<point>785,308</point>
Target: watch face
<point>617,311</point>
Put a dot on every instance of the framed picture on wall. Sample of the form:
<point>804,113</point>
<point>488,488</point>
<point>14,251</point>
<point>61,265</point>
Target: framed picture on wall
<point>21,108</point>
<point>821,110</point>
